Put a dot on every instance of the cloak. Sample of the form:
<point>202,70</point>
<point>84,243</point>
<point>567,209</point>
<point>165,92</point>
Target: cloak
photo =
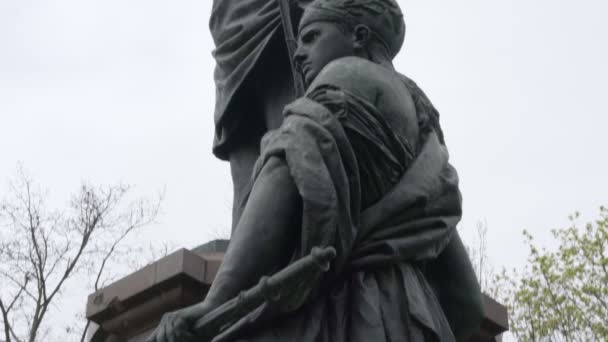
<point>401,273</point>
<point>245,32</point>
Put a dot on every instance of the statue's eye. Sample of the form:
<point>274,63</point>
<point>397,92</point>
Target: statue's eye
<point>310,36</point>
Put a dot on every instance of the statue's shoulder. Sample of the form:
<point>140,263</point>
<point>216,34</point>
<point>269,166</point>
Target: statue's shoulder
<point>360,76</point>
<point>353,65</point>
<point>346,71</point>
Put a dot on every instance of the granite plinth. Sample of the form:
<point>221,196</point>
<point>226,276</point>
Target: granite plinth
<point>130,308</point>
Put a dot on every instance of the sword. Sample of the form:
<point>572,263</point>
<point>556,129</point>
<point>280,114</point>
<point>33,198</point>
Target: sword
<point>270,289</point>
<point>290,41</point>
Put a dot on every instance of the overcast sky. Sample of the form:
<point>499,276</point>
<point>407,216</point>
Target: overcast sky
<point>122,91</point>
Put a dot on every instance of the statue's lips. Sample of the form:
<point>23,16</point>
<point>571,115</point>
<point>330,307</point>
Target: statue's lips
<point>306,68</point>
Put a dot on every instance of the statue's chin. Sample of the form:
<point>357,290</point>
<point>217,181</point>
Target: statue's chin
<point>309,77</point>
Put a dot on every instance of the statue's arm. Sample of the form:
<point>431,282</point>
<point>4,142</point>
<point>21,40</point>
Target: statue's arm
<point>262,242</point>
<point>263,239</point>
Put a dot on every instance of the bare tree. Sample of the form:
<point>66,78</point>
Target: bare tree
<point>478,253</point>
<point>41,249</point>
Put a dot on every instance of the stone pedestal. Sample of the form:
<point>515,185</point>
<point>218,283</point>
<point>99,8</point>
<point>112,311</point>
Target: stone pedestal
<point>129,309</point>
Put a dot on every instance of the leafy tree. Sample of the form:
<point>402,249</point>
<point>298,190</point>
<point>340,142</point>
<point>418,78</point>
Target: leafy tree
<point>563,294</point>
<point>42,249</point>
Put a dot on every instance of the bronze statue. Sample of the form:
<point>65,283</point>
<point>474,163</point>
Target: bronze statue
<point>357,172</point>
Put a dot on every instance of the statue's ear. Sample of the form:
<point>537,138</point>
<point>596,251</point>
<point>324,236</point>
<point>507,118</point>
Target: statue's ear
<point>361,36</point>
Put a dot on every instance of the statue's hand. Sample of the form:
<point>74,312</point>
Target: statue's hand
<point>175,326</point>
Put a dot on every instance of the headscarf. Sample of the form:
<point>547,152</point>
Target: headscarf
<point>383,17</point>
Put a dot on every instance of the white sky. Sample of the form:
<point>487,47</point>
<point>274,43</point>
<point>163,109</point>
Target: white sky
<point>111,91</point>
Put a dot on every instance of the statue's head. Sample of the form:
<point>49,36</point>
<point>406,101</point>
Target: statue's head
<point>331,29</point>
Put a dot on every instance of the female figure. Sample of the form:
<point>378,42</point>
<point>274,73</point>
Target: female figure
<point>358,164</point>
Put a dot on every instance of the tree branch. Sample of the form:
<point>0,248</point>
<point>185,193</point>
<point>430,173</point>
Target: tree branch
<point>48,248</point>
<point>84,331</point>
<point>7,327</point>
<point>13,334</point>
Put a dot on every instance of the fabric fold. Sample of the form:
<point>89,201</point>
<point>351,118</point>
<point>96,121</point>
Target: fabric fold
<point>377,287</point>
<point>241,31</point>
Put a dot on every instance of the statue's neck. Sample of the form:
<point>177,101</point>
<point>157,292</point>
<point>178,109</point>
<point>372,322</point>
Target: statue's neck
<point>386,64</point>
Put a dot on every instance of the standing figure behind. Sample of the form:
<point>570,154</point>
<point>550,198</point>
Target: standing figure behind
<point>253,79</point>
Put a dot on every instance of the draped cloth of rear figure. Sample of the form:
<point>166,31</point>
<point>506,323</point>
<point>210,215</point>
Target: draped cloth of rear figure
<point>388,202</point>
<point>246,33</point>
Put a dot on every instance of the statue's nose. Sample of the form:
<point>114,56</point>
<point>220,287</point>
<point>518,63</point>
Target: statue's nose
<point>299,57</point>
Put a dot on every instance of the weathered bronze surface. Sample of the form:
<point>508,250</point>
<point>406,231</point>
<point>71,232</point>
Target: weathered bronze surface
<point>357,164</point>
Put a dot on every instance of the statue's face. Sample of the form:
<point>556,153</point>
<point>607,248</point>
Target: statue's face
<point>319,43</point>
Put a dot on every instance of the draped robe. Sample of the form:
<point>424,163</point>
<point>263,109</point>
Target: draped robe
<point>401,273</point>
<point>246,33</point>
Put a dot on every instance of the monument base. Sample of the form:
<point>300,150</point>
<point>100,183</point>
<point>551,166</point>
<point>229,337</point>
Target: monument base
<point>129,309</point>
